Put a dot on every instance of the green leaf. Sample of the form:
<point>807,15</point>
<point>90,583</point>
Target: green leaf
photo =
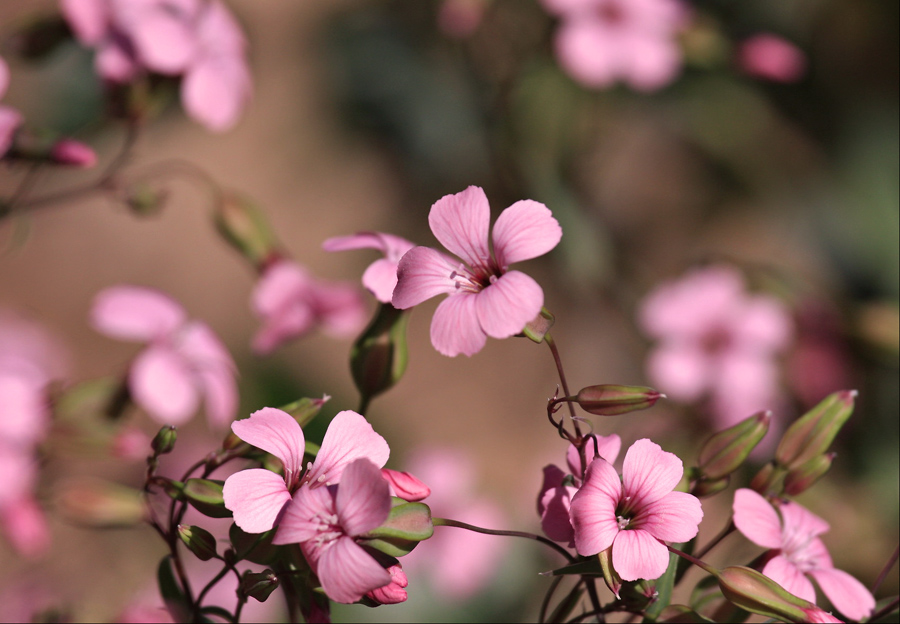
<point>175,600</point>
<point>590,567</point>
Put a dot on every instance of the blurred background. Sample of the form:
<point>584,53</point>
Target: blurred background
<point>363,114</point>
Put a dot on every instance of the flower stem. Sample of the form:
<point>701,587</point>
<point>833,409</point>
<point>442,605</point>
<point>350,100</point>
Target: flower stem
<point>887,568</point>
<point>729,528</point>
<point>697,562</point>
<point>532,536</point>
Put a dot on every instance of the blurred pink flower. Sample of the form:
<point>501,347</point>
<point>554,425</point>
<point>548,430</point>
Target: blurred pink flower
<point>637,514</point>
<point>291,302</point>
<point>21,518</point>
<point>10,118</point>
<point>792,531</point>
<point>200,41</point>
<point>257,496</point>
<point>73,153</point>
<point>601,42</point>
<point>716,339</point>
<point>555,496</point>
<point>325,521</point>
<point>183,361</point>
<point>772,58</point>
<point>381,276</point>
<point>460,18</point>
<point>486,298</point>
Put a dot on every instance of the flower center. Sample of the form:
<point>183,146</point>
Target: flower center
<point>611,13</point>
<point>328,529</point>
<point>472,281</point>
<point>622,522</point>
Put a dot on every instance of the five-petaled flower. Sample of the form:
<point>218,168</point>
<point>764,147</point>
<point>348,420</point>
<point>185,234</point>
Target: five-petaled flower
<point>486,299</point>
<point>792,531</point>
<point>636,514</point>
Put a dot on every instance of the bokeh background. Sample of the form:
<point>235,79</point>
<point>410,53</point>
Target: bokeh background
<point>363,114</point>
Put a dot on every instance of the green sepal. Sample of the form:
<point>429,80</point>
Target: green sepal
<point>175,600</point>
<point>380,355</point>
<point>536,329</point>
<point>258,585</point>
<point>205,495</point>
<point>305,409</point>
<point>253,547</point>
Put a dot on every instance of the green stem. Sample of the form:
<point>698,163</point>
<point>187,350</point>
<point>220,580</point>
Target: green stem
<point>531,536</point>
<point>725,532</point>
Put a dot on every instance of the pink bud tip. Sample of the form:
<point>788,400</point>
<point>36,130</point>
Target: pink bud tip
<point>73,153</point>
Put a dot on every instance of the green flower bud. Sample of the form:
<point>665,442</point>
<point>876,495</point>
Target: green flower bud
<point>612,400</point>
<point>379,356</point>
<point>610,577</point>
<point>205,495</point>
<point>726,450</point>
<point>102,504</point>
<point>812,434</point>
<point>305,409</point>
<point>198,540</point>
<point>804,476</point>
<point>258,585</point>
<point>704,488</point>
<point>406,526</point>
<point>164,441</point>
<point>244,226</point>
<point>754,592</point>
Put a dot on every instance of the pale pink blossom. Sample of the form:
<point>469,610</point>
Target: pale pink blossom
<point>381,276</point>
<point>395,591</point>
<point>325,521</point>
<point>183,362</point>
<point>10,118</point>
<point>772,57</point>
<point>73,153</point>
<point>792,532</point>
<point>291,303</point>
<point>486,298</point>
<point>716,340</point>
<point>21,518</point>
<point>636,514</point>
<point>257,496</point>
<point>602,42</point>
<point>558,488</point>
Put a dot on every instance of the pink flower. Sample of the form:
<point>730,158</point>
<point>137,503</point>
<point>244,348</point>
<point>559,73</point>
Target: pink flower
<point>460,18</point>
<point>404,485</point>
<point>10,118</point>
<point>183,361</point>
<point>257,496</point>
<point>716,339</point>
<point>290,302</point>
<point>554,499</point>
<point>395,591</point>
<point>486,299</point>
<point>325,521</point>
<point>73,153</point>
<point>603,41</point>
<point>636,515</point>
<point>381,276</point>
<point>771,57</point>
<point>200,41</point>
<point>21,518</point>
<point>791,531</point>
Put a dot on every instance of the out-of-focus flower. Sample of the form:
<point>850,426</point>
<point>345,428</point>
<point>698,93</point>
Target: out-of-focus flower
<point>716,340</point>
<point>460,18</point>
<point>325,521</point>
<point>637,514</point>
<point>200,41</point>
<point>183,362</point>
<point>73,153</point>
<point>381,276</point>
<point>792,533</point>
<point>10,118</point>
<point>257,496</point>
<point>819,361</point>
<point>395,591</point>
<point>555,497</point>
<point>21,519</point>
<point>486,298</point>
<point>601,42</point>
<point>291,302</point>
<point>771,57</point>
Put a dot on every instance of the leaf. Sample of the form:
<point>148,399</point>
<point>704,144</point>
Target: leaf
<point>175,600</point>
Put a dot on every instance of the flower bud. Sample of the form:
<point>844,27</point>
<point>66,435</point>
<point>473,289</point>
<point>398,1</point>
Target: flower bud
<point>612,400</point>
<point>379,356</point>
<point>198,540</point>
<point>98,503</point>
<point>754,592</point>
<point>610,577</point>
<point>258,585</point>
<point>394,592</point>
<point>164,441</point>
<point>406,526</point>
<point>145,200</point>
<point>538,328</point>
<point>245,227</point>
<point>812,433</point>
<point>205,495</point>
<point>804,476</point>
<point>73,153</point>
<point>725,451</point>
<point>305,409</point>
<point>704,488</point>
<point>405,486</point>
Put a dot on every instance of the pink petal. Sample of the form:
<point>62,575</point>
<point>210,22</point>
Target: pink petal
<point>649,473</point>
<point>607,447</point>
<point>771,57</point>
<point>785,573</point>
<point>218,30</point>
<point>523,231</point>
<point>460,222</point>
<point>347,572</point>
<point>280,285</point>
<point>339,307</point>
<point>455,328</point>
<point>114,62</point>
<point>216,90</point>
<point>816,555</point>
<point>744,383</point>
<point>586,53</point>
<point>653,62</point>
<point>566,8</point>
<point>553,478</point>
<point>507,305</point>
<point>302,520</point>
<point>847,594</point>
<point>255,497</point>
<point>88,19</point>
<point>593,509</point>
<point>682,370</point>
<point>25,416</point>
<point>800,524</point>
<point>673,518</point>
<point>163,40</point>
<point>203,348</point>
<point>393,247</point>
<point>135,313</point>
<point>755,517</point>
<point>293,322</point>
<point>349,437</point>
<point>555,521</point>
<point>380,278</point>
<point>163,384</point>
<point>638,555</point>
<point>763,324</point>
<point>275,432</point>
<point>363,498</point>
<point>19,470</point>
<point>423,273</point>
<point>10,120</point>
<point>404,485</point>
<point>25,526</point>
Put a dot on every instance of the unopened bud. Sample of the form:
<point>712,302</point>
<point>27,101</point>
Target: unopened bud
<point>405,486</point>
<point>754,592</point>
<point>766,478</point>
<point>804,476</point>
<point>305,409</point>
<point>394,592</point>
<point>205,495</point>
<point>536,329</point>
<point>145,200</point>
<point>379,356</point>
<point>612,400</point>
<point>725,451</point>
<point>258,585</point>
<point>243,225</point>
<point>231,441</point>
<point>164,441</point>
<point>406,526</point>
<point>73,153</point>
<point>812,434</point>
<point>198,540</point>
<point>610,576</point>
<point>704,488</point>
<point>98,503</point>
